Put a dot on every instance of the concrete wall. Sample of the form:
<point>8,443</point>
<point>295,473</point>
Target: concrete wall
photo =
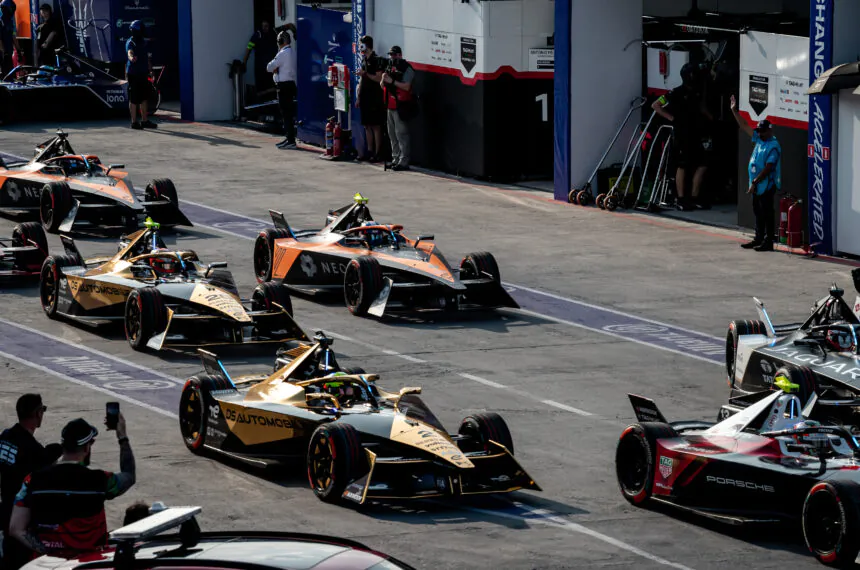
<point>219,30</point>
<point>604,79</point>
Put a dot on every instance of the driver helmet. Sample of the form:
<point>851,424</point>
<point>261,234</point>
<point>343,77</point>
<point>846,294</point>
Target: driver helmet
<point>373,237</point>
<point>164,265</point>
<point>336,388</point>
<point>840,340</point>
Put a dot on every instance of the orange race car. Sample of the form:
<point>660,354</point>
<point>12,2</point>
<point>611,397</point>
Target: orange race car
<point>376,266</point>
<point>68,189</point>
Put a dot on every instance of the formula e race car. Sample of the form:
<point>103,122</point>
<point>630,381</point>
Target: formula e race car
<point>360,442</point>
<point>22,254</point>
<point>75,88</point>
<point>165,298</point>
<point>375,265</point>
<point>816,357</point>
<point>769,463</point>
<point>68,189</point>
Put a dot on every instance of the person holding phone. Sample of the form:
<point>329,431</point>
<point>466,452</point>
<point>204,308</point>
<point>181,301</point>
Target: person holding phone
<point>60,509</point>
<point>20,455</point>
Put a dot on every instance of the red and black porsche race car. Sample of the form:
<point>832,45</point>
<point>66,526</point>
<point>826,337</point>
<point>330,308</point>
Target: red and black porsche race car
<point>768,463</point>
<point>67,189</point>
<point>375,265</point>
<point>22,254</point>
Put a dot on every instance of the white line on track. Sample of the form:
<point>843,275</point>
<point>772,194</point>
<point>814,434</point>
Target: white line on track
<point>92,351</point>
<point>613,311</point>
<point>618,336</point>
<point>539,517</point>
<point>62,376</point>
<point>482,380</point>
<point>566,408</point>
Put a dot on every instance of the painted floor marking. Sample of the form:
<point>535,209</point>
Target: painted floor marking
<point>481,380</point>
<point>566,408</point>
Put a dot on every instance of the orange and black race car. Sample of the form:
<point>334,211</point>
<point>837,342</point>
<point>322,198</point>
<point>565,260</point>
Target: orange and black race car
<point>67,189</point>
<point>377,267</point>
<point>22,254</point>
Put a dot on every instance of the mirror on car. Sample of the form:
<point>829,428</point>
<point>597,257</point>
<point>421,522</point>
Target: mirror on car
<point>410,390</point>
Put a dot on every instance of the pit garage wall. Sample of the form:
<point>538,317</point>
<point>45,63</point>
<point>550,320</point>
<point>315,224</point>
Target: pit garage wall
<point>212,33</point>
<point>774,77</point>
<point>598,74</point>
<point>485,111</point>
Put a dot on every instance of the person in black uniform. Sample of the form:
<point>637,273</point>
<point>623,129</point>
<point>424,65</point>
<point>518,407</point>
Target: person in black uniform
<point>370,98</point>
<point>20,455</point>
<point>50,35</point>
<point>265,43</point>
<point>685,108</point>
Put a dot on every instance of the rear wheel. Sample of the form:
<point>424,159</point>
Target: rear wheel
<point>335,459</point>
<point>49,283</point>
<point>831,527</point>
<point>55,204</point>
<point>362,282</point>
<point>27,234</point>
<point>480,265</point>
<point>264,252</point>
<point>192,415</point>
<point>736,329</point>
<point>145,316</point>
<point>481,429</point>
<point>635,459</point>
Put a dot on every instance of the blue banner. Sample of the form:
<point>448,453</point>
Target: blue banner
<point>820,203</point>
<point>359,27</point>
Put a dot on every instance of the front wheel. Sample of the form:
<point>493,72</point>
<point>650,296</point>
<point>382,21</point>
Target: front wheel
<point>192,415</point>
<point>481,429</point>
<point>335,459</point>
<point>145,316</point>
<point>362,283</point>
<point>831,526</point>
<point>480,265</point>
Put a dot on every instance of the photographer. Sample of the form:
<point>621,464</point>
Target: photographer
<point>402,107</point>
<point>61,509</point>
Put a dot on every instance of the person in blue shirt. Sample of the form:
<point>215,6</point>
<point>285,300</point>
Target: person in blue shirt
<point>765,173</point>
<point>138,68</point>
<point>8,36</point>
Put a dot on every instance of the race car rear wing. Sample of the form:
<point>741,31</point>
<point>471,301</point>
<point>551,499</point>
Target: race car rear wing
<point>280,222</point>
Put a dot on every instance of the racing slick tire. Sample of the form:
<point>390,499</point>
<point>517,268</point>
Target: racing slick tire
<point>480,429</point>
<point>335,459</point>
<point>476,265</point>
<point>264,252</point>
<point>354,371</point>
<point>800,375</point>
<point>831,522</point>
<point>145,316</point>
<point>736,329</point>
<point>193,412</point>
<point>267,293</point>
<point>33,232</point>
<point>55,204</point>
<point>49,281</point>
<point>161,189</point>
<point>362,282</point>
<point>635,459</point>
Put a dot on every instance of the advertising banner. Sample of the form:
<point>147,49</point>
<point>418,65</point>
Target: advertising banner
<point>820,129</point>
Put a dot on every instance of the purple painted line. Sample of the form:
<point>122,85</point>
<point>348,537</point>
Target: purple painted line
<point>655,334</point>
<point>89,367</point>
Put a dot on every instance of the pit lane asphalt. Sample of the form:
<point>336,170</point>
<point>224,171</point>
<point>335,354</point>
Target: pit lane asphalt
<point>667,271</point>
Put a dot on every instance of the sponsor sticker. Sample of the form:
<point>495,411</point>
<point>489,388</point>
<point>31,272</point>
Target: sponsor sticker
<point>666,464</point>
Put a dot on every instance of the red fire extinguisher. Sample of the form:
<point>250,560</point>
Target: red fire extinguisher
<point>338,142</point>
<point>784,204</point>
<point>329,136</point>
<point>795,224</point>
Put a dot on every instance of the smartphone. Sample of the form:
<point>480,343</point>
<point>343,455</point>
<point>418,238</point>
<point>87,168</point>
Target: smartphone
<point>111,414</point>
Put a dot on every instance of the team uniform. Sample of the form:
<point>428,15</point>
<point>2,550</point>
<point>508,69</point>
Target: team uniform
<point>137,72</point>
<point>266,47</point>
<point>284,67</point>
<point>764,153</point>
<point>371,100</point>
<point>692,140</point>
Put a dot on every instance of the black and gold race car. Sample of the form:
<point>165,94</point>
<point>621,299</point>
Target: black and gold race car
<point>360,442</point>
<point>166,298</point>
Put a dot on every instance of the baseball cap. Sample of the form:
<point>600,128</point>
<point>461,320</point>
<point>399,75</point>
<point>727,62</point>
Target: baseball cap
<point>395,50</point>
<point>763,125</point>
<point>27,404</point>
<point>78,433</point>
